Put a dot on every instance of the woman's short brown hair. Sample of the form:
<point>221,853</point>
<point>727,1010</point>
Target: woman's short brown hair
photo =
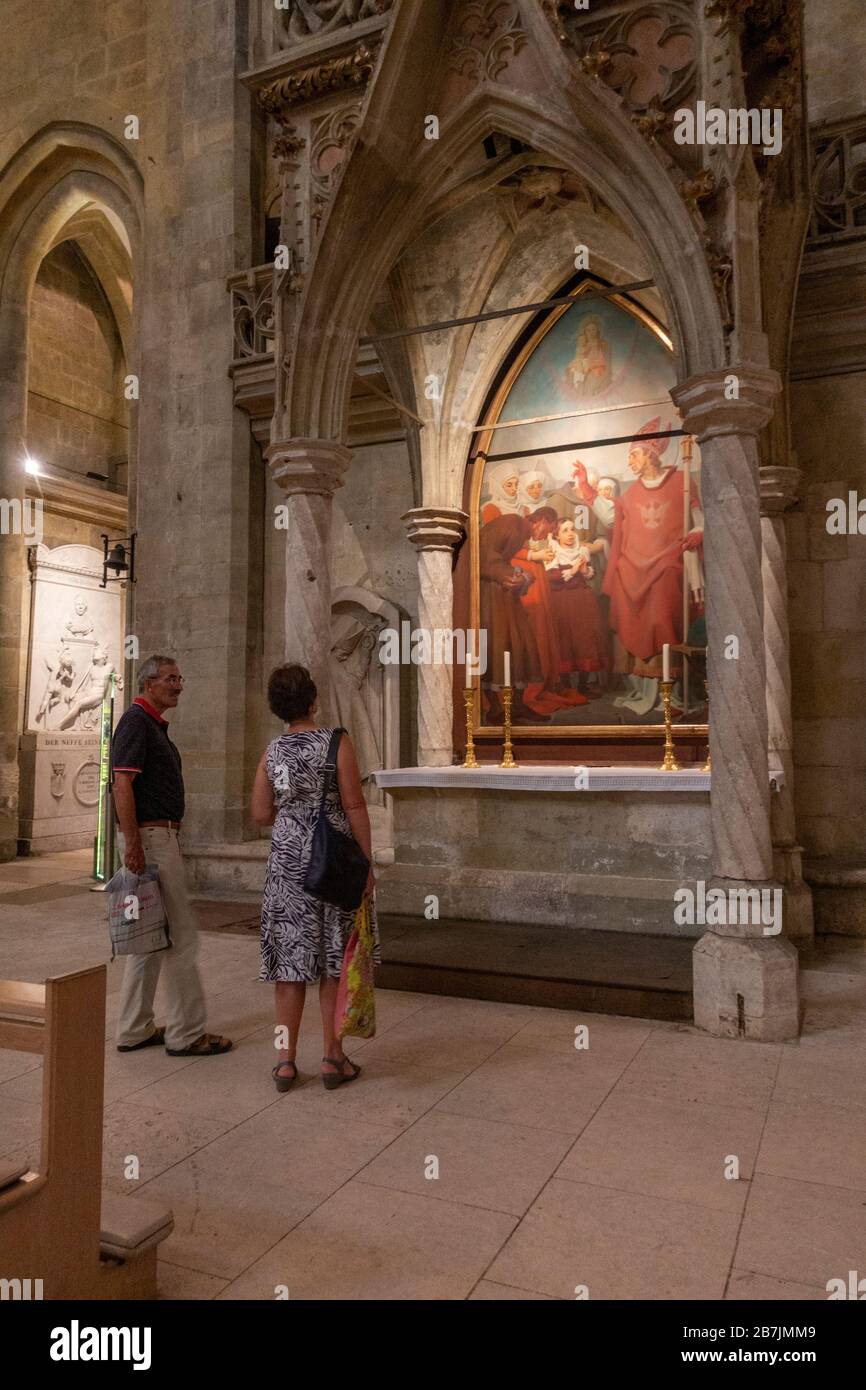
<point>291,692</point>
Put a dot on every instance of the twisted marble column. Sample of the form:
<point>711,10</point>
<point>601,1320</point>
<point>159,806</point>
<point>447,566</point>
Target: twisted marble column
<point>309,471</point>
<point>745,982</point>
<point>779,486</point>
<point>434,531</point>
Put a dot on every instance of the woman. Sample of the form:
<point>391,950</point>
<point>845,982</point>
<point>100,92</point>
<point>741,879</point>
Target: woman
<point>304,939</point>
<point>504,484</point>
<point>589,369</point>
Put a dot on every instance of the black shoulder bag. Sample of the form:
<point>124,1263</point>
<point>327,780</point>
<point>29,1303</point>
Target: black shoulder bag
<point>338,867</point>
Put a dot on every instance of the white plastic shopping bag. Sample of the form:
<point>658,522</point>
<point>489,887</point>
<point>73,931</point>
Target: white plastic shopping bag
<point>137,922</point>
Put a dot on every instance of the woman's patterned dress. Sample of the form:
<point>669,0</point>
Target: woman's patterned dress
<point>302,937</point>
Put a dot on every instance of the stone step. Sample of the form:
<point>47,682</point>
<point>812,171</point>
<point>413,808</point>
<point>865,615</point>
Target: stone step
<point>601,902</point>
<point>633,974</point>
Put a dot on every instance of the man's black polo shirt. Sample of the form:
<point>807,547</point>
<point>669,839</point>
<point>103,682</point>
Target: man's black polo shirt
<point>141,744</point>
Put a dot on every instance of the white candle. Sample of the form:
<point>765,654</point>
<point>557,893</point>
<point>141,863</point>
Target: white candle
<point>666,661</point>
<point>468,673</point>
<point>508,668</point>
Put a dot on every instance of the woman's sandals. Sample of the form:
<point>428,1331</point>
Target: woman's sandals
<point>284,1083</point>
<point>331,1080</point>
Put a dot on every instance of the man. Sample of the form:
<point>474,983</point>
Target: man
<point>504,581</point>
<point>149,801</point>
<point>644,578</point>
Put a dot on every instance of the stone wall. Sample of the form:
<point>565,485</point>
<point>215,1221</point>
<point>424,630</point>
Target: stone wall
<point>195,451</point>
<point>835,58</point>
<point>76,413</point>
<point>827,589</point>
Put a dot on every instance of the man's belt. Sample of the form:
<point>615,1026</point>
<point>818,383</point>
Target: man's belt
<point>163,824</point>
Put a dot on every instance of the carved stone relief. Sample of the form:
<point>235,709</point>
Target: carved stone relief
<point>488,35</point>
<point>75,639</point>
<point>306,19</point>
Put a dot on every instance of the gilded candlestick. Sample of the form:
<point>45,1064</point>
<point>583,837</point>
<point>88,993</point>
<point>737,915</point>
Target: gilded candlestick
<point>669,763</point>
<point>507,754</point>
<point>470,760</point>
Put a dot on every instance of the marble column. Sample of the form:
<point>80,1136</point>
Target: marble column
<point>745,981</point>
<point>779,488</point>
<point>435,531</point>
<point>309,471</point>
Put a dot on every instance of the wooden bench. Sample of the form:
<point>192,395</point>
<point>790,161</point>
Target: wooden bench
<point>55,1225</point>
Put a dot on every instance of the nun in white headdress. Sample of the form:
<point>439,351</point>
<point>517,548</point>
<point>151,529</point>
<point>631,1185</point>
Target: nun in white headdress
<point>504,500</point>
<point>533,490</point>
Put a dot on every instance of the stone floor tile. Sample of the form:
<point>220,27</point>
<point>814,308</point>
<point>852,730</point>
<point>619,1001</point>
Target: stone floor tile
<point>618,1246</point>
<point>483,1163</point>
<point>369,1242</point>
<point>686,1065</point>
<point>530,1086</point>
<point>835,1074</point>
<point>158,1139</point>
<point>753,1288</point>
<point>175,1283</point>
<point>815,1141</point>
<point>802,1232</point>
<point>389,1093</point>
<point>453,1033</point>
<point>233,1200</point>
<point>487,1291</point>
<point>20,1122</point>
<point>666,1148</point>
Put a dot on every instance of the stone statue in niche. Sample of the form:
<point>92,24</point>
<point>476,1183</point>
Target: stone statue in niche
<point>357,690</point>
<point>85,701</point>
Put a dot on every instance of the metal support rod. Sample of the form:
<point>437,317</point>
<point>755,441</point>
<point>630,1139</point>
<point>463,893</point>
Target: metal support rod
<point>404,409</point>
<point>569,415</point>
<point>585,444</point>
<point>600,293</point>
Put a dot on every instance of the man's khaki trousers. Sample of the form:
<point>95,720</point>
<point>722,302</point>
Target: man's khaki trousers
<point>185,1008</point>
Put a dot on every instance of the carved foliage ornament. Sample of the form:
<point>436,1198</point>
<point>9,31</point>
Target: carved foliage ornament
<point>320,79</point>
<point>304,19</point>
<point>489,34</point>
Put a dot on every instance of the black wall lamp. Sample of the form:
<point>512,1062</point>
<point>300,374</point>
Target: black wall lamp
<point>119,560</point>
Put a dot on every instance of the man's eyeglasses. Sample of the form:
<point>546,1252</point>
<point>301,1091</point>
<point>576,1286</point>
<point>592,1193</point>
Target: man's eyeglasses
<point>173,680</point>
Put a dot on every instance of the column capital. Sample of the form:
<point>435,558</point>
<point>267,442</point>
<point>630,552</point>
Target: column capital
<point>313,466</point>
<point>780,487</point>
<point>707,412</point>
<point>435,528</point>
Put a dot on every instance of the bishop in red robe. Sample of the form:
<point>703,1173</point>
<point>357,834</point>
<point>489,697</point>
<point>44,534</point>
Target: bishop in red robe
<point>644,578</point>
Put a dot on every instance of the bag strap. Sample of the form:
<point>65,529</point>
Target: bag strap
<point>330,766</point>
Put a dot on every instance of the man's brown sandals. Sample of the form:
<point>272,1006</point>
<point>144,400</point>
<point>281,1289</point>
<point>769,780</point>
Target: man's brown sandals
<point>208,1045</point>
<point>156,1039</point>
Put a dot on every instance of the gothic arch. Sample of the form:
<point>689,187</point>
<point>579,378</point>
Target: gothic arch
<point>383,200</point>
<point>66,170</point>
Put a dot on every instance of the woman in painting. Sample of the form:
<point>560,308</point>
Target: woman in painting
<point>589,370</point>
<point>504,494</point>
<point>580,630</point>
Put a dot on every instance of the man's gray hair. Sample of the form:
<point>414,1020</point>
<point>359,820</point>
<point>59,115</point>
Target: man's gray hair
<point>150,669</point>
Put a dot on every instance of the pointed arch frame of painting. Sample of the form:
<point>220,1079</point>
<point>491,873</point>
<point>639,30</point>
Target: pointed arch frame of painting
<point>634,398</point>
